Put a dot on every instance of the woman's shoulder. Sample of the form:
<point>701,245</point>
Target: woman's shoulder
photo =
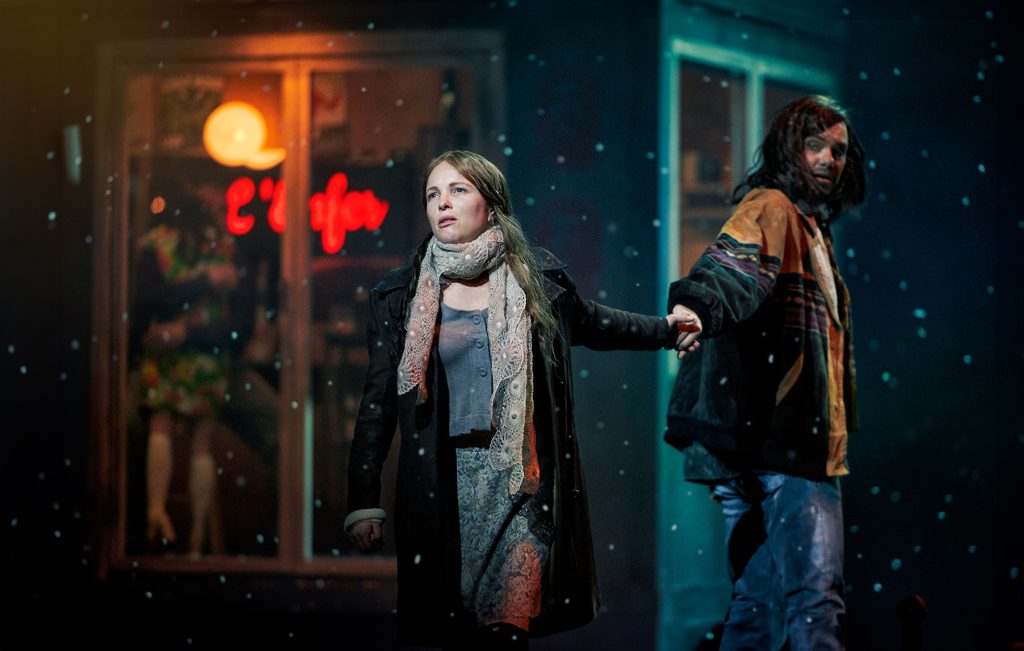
<point>556,279</point>
<point>388,296</point>
<point>552,269</point>
<point>547,261</point>
<point>395,279</point>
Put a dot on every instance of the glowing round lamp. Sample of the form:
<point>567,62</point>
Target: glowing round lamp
<point>234,132</point>
<point>264,159</point>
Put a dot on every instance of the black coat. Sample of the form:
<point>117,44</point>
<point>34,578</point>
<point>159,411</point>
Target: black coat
<point>426,513</point>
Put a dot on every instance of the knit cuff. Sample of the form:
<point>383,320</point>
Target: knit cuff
<point>362,515</point>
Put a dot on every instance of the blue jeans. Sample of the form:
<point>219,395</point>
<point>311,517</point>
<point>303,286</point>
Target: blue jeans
<point>784,538</point>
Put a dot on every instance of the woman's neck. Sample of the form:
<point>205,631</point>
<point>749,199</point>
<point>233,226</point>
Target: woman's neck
<point>466,293</point>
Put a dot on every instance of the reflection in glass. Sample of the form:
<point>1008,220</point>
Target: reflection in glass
<point>202,413</point>
<point>776,95</point>
<point>711,153</point>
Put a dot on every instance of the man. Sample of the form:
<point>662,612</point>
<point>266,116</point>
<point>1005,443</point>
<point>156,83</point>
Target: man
<point>765,395</point>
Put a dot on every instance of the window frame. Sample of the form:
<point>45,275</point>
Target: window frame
<point>296,58</point>
<point>695,593</point>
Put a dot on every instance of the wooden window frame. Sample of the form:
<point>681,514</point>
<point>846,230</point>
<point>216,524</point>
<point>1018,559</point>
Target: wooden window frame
<point>296,58</point>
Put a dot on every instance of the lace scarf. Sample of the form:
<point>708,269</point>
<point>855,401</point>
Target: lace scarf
<point>508,330</point>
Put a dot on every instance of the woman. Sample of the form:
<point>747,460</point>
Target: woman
<point>469,355</point>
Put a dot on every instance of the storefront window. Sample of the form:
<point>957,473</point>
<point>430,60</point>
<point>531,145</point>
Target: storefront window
<point>711,142</point>
<point>777,94</point>
<point>201,447</point>
<point>714,145</point>
<point>255,197</point>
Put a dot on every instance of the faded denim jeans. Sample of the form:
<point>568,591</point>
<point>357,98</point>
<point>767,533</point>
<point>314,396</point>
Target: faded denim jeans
<point>784,538</point>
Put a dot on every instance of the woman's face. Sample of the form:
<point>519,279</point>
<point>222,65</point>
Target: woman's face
<point>455,208</point>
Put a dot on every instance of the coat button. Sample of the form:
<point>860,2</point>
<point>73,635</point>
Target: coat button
<point>483,372</point>
<point>476,318</point>
<point>479,344</point>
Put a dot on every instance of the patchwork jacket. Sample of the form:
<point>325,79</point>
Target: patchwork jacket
<point>772,386</point>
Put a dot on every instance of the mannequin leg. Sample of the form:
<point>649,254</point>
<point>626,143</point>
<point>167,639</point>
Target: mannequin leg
<point>159,464</point>
<point>202,484</point>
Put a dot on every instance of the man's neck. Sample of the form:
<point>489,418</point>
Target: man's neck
<point>819,212</point>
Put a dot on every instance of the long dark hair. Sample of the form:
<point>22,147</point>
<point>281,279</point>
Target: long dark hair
<point>519,257</point>
<point>780,162</point>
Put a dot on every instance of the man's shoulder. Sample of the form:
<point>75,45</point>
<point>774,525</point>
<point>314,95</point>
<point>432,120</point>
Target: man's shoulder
<point>762,212</point>
<point>768,199</point>
<point>768,207</point>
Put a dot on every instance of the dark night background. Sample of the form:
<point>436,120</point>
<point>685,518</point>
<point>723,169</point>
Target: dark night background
<point>933,261</point>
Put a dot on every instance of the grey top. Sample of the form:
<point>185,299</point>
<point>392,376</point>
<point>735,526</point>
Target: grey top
<point>466,358</point>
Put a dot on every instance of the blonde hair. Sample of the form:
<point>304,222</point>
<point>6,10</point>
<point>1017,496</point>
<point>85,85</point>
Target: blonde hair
<point>491,183</point>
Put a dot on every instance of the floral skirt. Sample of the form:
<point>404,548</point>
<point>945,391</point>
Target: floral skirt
<point>186,383</point>
<point>502,558</point>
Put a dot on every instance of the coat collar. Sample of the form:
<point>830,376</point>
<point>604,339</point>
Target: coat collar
<point>396,278</point>
<point>547,260</point>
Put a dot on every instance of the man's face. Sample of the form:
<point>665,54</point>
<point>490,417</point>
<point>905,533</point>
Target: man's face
<point>825,155</point>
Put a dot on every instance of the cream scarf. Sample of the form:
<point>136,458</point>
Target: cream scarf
<point>508,330</point>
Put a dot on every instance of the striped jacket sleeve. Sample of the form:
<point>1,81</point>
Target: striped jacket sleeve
<point>737,272</point>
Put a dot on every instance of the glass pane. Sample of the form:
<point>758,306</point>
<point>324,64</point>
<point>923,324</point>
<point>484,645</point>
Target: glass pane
<point>710,139</point>
<point>373,132</point>
<point>776,95</point>
<point>201,453</point>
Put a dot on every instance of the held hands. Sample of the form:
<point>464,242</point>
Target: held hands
<point>689,326</point>
<point>368,535</point>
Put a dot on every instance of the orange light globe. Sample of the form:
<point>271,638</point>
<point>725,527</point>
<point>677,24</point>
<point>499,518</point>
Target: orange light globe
<point>234,132</point>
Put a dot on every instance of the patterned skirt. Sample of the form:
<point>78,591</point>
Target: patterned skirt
<point>186,383</point>
<point>502,557</point>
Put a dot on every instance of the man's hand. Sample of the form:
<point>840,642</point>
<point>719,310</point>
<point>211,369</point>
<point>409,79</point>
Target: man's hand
<point>368,535</point>
<point>689,326</point>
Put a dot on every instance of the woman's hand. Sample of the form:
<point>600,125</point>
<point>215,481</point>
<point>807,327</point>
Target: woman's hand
<point>689,326</point>
<point>368,535</point>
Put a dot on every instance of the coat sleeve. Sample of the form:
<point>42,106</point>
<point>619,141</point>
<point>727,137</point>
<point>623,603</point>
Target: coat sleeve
<point>600,327</point>
<point>377,417</point>
<point>736,273</point>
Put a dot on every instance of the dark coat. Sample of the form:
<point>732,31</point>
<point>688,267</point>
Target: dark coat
<point>426,514</point>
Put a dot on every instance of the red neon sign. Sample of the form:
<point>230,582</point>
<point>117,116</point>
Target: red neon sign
<point>336,211</point>
<point>240,193</point>
<point>333,212</point>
